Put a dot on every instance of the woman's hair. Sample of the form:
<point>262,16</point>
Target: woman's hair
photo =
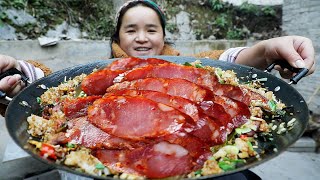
<point>133,3</point>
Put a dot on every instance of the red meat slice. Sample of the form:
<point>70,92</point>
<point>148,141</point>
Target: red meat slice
<point>134,118</point>
<point>198,76</point>
<point>207,129</point>
<point>133,62</point>
<point>238,111</point>
<point>81,131</point>
<point>210,131</point>
<point>183,105</point>
<point>174,87</point>
<point>238,93</point>
<point>96,83</point>
<point>160,160</point>
<point>75,108</point>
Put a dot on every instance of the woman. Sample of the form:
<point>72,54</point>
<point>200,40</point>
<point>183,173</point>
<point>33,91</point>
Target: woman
<point>140,31</point>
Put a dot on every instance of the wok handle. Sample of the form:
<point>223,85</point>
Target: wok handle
<point>14,71</point>
<point>4,95</point>
<point>11,72</point>
<point>300,72</point>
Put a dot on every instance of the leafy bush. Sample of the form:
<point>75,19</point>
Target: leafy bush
<point>92,16</point>
<point>216,5</point>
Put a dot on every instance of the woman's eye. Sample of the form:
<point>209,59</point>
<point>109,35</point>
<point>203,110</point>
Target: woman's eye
<point>130,31</point>
<point>152,30</point>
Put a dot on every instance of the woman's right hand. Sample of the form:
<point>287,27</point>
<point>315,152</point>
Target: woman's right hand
<point>11,85</point>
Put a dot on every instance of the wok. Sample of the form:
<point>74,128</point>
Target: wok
<point>16,114</point>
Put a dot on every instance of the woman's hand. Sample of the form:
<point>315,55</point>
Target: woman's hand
<point>296,50</point>
<point>11,85</point>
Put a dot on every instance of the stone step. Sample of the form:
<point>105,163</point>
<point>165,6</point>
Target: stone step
<point>304,144</point>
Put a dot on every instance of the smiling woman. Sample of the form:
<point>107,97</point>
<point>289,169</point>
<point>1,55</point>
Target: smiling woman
<point>141,32</point>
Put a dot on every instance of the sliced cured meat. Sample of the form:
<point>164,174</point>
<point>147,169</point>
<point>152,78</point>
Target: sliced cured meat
<point>238,93</point>
<point>134,117</point>
<point>155,161</point>
<point>196,147</point>
<point>183,105</point>
<point>210,131</point>
<point>174,87</point>
<point>82,132</point>
<point>75,108</point>
<point>207,129</point>
<point>133,62</point>
<point>238,111</point>
<point>163,160</point>
<point>218,112</point>
<point>96,83</point>
<point>199,76</point>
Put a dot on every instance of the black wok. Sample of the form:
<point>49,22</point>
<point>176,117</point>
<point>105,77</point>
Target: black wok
<point>16,114</point>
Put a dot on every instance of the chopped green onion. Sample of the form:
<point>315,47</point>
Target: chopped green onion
<point>242,130</point>
<point>38,100</point>
<point>199,66</point>
<point>227,165</point>
<point>272,105</point>
<point>100,166</point>
<point>198,172</point>
<point>250,145</point>
<point>219,71</point>
<point>187,64</point>
<point>70,145</point>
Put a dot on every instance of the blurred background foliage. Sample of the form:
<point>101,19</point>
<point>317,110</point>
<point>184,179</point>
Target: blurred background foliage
<point>209,18</point>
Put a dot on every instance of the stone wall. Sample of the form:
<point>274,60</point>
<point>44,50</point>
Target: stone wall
<point>303,18</point>
<point>257,2</point>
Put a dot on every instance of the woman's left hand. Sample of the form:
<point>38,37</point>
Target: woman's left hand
<point>296,50</point>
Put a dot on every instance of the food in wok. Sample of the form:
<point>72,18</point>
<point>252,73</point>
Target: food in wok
<point>151,118</point>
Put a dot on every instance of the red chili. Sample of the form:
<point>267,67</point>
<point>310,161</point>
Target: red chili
<point>242,136</point>
<point>48,150</point>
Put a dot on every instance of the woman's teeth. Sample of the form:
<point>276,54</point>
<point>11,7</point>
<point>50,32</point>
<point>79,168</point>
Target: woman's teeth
<point>142,49</point>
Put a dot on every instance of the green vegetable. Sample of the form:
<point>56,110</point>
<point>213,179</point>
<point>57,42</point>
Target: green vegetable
<point>198,172</point>
<point>199,66</point>
<point>219,75</point>
<point>272,105</point>
<point>250,145</point>
<point>100,166</point>
<point>228,164</point>
<point>187,64</point>
<point>219,71</point>
<point>38,100</point>
<point>70,145</point>
<point>242,130</point>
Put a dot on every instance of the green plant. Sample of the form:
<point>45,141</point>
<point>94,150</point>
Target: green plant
<point>216,5</point>
<point>222,21</point>
<point>198,33</point>
<point>268,11</point>
<point>18,4</point>
<point>171,27</point>
<point>237,33</point>
<point>249,8</point>
<point>3,17</point>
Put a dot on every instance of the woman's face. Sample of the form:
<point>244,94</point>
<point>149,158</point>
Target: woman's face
<point>141,33</point>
